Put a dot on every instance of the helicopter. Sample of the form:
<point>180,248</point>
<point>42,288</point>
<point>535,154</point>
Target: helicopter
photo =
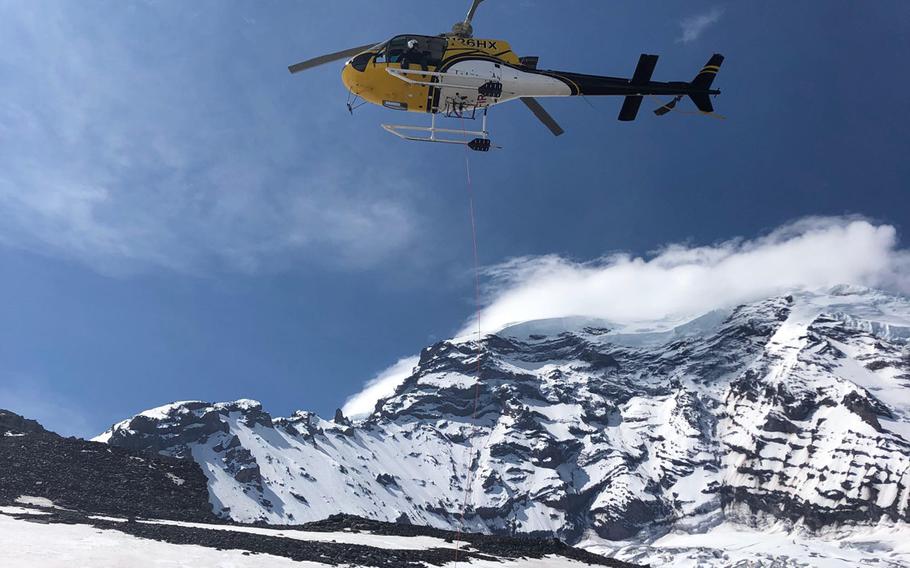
<point>457,75</point>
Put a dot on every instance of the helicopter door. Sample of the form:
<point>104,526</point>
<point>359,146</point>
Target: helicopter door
<point>489,93</point>
<point>426,56</point>
<point>470,85</point>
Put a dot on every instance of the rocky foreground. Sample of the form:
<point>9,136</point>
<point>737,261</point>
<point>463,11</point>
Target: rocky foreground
<point>91,477</point>
<point>48,480</point>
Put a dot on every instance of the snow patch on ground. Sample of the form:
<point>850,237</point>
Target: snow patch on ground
<point>34,545</point>
<point>733,545</point>
<point>35,501</point>
<point>177,480</point>
<point>7,510</point>
<point>39,545</point>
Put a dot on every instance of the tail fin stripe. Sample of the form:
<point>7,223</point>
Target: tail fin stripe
<point>705,78</point>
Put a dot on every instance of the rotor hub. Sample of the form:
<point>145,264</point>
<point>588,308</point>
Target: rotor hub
<point>462,29</point>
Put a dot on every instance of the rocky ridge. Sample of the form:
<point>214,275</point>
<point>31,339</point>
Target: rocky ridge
<point>792,409</point>
<point>88,476</point>
<point>49,480</point>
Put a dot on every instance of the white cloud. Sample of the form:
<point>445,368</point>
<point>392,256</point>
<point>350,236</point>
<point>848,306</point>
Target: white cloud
<point>683,281</point>
<point>678,282</point>
<point>694,26</point>
<point>125,148</point>
<point>381,386</point>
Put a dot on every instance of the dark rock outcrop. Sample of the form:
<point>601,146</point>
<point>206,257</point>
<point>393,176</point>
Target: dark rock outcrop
<point>98,478</point>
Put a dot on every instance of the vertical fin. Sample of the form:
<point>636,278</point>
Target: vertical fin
<point>703,81</point>
<point>702,101</point>
<point>705,77</point>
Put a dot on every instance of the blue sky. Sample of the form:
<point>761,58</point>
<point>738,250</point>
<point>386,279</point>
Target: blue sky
<point>183,219</point>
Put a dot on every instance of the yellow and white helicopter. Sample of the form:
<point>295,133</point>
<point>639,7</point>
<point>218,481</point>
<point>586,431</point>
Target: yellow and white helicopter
<point>456,75</point>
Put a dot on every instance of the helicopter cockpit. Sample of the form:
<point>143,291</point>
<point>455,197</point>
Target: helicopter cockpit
<point>430,51</point>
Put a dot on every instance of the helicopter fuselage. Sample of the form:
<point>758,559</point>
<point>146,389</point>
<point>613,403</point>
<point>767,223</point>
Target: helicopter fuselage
<point>452,74</point>
<point>386,76</point>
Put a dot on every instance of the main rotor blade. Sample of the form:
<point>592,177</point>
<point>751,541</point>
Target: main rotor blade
<point>328,58</point>
<point>542,115</point>
<point>472,11</point>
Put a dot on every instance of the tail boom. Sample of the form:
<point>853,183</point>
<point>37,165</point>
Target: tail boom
<point>699,89</point>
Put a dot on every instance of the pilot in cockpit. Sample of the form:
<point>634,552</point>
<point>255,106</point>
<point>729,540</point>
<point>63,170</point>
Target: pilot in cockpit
<point>413,55</point>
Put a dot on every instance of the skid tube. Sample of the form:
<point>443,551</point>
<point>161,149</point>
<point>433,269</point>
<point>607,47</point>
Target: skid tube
<point>480,142</point>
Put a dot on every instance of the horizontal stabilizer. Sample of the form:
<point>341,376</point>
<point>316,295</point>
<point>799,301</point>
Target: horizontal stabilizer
<point>642,76</point>
<point>644,69</point>
<point>630,108</point>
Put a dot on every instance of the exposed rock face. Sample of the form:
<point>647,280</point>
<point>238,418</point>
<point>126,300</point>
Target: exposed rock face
<point>11,424</point>
<point>97,478</point>
<point>83,479</point>
<point>794,408</point>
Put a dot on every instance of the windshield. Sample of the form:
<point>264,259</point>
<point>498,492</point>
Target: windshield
<point>429,48</point>
<point>361,61</point>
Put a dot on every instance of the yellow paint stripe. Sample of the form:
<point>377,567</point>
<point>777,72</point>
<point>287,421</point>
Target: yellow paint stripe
<point>711,67</point>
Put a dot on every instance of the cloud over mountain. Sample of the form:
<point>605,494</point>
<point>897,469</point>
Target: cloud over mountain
<point>683,281</point>
<point>679,282</point>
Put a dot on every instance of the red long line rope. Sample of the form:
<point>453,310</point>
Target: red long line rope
<point>469,477</point>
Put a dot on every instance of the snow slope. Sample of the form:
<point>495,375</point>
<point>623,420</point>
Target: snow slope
<point>883,546</point>
<point>23,543</point>
<point>790,412</point>
<point>66,544</point>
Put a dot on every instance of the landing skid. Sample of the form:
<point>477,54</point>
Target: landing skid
<point>480,141</point>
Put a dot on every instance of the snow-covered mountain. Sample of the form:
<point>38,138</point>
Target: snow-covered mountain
<point>794,410</point>
<point>68,502</point>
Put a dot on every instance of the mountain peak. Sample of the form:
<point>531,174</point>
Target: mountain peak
<point>792,409</point>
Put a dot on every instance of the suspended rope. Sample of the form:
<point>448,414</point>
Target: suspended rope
<point>352,103</point>
<point>468,457</point>
<point>585,99</point>
<point>665,108</point>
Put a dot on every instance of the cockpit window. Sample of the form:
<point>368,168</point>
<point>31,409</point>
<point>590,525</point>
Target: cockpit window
<point>361,60</point>
<point>431,48</point>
